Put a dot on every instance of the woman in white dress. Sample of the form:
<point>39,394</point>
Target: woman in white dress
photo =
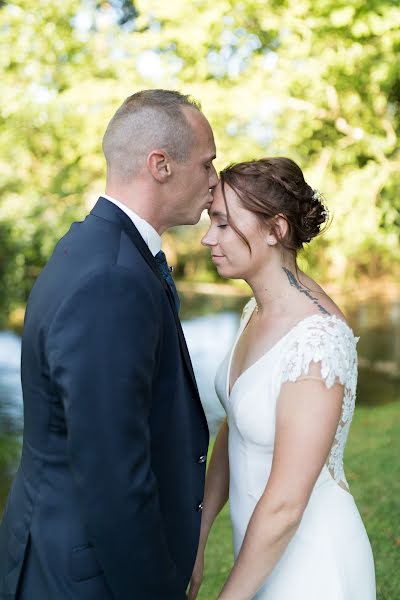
<point>288,388</point>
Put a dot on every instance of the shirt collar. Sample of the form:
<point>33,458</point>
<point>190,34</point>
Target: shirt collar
<point>147,231</point>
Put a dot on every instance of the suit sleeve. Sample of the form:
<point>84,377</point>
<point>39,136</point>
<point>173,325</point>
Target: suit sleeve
<point>102,348</point>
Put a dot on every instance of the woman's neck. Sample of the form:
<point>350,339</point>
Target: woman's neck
<point>274,286</point>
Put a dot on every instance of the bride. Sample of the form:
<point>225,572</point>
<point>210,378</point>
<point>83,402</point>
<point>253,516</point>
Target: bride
<point>288,388</point>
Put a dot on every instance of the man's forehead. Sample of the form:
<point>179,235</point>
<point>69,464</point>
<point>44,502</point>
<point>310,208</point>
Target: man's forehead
<point>196,118</point>
<point>200,124</point>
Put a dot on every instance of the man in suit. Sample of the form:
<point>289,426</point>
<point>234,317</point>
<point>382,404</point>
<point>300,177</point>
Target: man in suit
<point>107,500</point>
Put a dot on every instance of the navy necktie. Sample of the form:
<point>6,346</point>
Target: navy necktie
<point>166,273</point>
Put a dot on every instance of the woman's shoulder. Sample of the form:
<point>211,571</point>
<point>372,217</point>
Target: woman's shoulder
<point>325,339</point>
<point>332,324</point>
<point>318,310</point>
<point>326,333</point>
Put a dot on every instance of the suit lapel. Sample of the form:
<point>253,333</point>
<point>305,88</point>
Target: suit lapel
<point>109,211</point>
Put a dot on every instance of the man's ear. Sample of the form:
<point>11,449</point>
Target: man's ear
<point>159,164</point>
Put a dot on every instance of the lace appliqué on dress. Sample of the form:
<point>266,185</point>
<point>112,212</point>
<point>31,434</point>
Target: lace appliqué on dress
<point>248,307</point>
<point>329,342</point>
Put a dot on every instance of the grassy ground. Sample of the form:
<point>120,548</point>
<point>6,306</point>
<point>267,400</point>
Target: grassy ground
<point>373,470</point>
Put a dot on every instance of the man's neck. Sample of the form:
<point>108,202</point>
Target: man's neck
<point>137,199</point>
<point>146,230</point>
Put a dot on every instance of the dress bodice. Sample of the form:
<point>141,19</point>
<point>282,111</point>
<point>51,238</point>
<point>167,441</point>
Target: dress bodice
<point>319,341</point>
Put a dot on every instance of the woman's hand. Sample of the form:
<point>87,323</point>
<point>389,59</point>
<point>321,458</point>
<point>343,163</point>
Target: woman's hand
<point>215,497</point>
<point>197,575</point>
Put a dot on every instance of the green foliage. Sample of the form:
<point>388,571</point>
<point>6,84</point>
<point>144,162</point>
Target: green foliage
<point>317,80</point>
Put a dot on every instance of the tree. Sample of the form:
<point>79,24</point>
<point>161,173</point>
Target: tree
<point>317,80</point>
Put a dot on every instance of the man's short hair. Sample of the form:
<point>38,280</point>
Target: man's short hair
<point>148,120</point>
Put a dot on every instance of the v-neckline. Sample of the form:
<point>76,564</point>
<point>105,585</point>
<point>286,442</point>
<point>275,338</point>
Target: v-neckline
<point>228,388</point>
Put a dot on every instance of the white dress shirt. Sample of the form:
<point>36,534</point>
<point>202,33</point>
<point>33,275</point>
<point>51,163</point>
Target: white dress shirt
<point>148,233</point>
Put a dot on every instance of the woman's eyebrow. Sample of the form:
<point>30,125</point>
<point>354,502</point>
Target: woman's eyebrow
<point>216,213</point>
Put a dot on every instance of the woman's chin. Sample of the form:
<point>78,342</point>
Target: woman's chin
<point>221,272</point>
<point>226,273</point>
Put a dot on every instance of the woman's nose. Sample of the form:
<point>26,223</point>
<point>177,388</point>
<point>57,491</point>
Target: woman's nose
<point>207,239</point>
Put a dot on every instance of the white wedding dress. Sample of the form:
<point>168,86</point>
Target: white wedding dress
<point>329,557</point>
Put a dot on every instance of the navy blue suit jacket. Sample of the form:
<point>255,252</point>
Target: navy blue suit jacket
<point>106,503</point>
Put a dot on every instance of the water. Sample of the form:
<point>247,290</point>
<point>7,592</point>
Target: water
<point>10,410</point>
<point>210,323</point>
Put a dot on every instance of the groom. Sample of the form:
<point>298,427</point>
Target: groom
<point>106,503</point>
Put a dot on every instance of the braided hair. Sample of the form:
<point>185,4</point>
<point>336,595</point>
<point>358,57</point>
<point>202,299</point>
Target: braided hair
<point>276,186</point>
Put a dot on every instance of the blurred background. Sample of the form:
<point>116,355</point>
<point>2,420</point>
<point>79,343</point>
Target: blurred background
<point>315,80</point>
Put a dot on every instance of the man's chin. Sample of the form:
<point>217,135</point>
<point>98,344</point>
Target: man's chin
<point>195,219</point>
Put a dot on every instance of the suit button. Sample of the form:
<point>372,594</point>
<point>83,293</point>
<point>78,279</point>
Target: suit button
<point>199,507</point>
<point>202,459</point>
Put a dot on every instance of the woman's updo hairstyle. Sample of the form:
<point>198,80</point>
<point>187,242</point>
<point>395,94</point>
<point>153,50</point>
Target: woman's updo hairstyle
<point>276,186</point>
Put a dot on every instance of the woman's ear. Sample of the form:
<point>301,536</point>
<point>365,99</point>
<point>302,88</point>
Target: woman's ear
<point>277,230</point>
<point>159,165</point>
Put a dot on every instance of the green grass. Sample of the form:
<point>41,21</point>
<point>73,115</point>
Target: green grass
<point>10,452</point>
<point>372,465</point>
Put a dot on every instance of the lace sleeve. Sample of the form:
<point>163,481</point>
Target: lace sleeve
<point>327,342</point>
<point>325,348</point>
